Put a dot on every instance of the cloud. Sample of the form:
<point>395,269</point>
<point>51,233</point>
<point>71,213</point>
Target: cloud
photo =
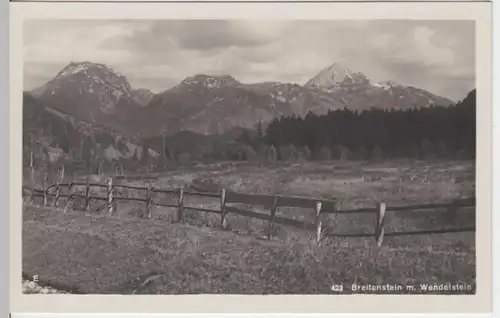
<point>435,55</point>
<point>196,35</point>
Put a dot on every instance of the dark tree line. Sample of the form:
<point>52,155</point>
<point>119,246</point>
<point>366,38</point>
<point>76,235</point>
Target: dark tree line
<point>427,132</point>
<point>418,133</point>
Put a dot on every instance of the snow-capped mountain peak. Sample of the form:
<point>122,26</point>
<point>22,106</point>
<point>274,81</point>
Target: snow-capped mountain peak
<point>387,85</point>
<point>96,81</point>
<point>88,91</point>
<point>210,81</point>
<point>334,75</point>
<point>77,67</point>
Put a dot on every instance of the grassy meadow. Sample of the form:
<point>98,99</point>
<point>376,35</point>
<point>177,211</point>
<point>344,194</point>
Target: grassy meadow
<point>127,253</point>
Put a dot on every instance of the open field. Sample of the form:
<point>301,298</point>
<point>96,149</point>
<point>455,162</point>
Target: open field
<point>91,253</point>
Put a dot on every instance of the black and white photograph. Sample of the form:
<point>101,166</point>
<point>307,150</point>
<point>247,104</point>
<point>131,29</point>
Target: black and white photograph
<point>249,157</point>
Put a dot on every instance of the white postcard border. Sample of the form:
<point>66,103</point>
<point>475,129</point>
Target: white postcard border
<point>481,302</point>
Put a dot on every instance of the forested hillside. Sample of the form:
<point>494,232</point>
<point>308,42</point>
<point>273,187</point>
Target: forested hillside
<point>57,139</point>
<point>417,133</point>
<point>448,132</point>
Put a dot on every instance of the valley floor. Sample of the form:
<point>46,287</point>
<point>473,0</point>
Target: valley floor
<point>91,253</point>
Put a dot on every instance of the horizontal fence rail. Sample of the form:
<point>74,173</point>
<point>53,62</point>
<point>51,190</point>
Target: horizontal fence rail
<point>320,207</point>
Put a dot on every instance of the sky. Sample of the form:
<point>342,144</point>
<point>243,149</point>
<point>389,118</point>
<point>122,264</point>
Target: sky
<point>438,56</point>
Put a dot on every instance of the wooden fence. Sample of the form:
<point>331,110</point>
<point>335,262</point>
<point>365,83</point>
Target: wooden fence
<point>320,207</point>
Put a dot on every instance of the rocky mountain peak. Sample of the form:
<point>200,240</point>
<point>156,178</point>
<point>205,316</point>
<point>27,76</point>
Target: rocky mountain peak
<point>94,83</point>
<point>335,75</point>
<point>89,91</point>
<point>92,70</point>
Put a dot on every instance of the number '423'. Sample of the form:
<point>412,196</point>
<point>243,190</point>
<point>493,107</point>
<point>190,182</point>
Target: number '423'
<point>337,288</point>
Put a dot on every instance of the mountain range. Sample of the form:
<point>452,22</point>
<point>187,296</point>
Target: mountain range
<point>205,104</point>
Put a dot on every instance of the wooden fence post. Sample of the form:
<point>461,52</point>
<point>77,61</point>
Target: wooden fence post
<point>223,223</point>
<point>110,196</point>
<point>273,216</point>
<point>58,187</point>
<point>32,169</point>
<point>149,200</point>
<point>45,189</point>
<point>379,232</point>
<point>32,195</point>
<point>56,198</point>
<point>87,195</point>
<point>68,202</point>
<point>180,206</point>
<point>318,221</point>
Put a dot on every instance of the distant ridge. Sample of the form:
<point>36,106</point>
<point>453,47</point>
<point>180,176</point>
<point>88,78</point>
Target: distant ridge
<point>214,104</point>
